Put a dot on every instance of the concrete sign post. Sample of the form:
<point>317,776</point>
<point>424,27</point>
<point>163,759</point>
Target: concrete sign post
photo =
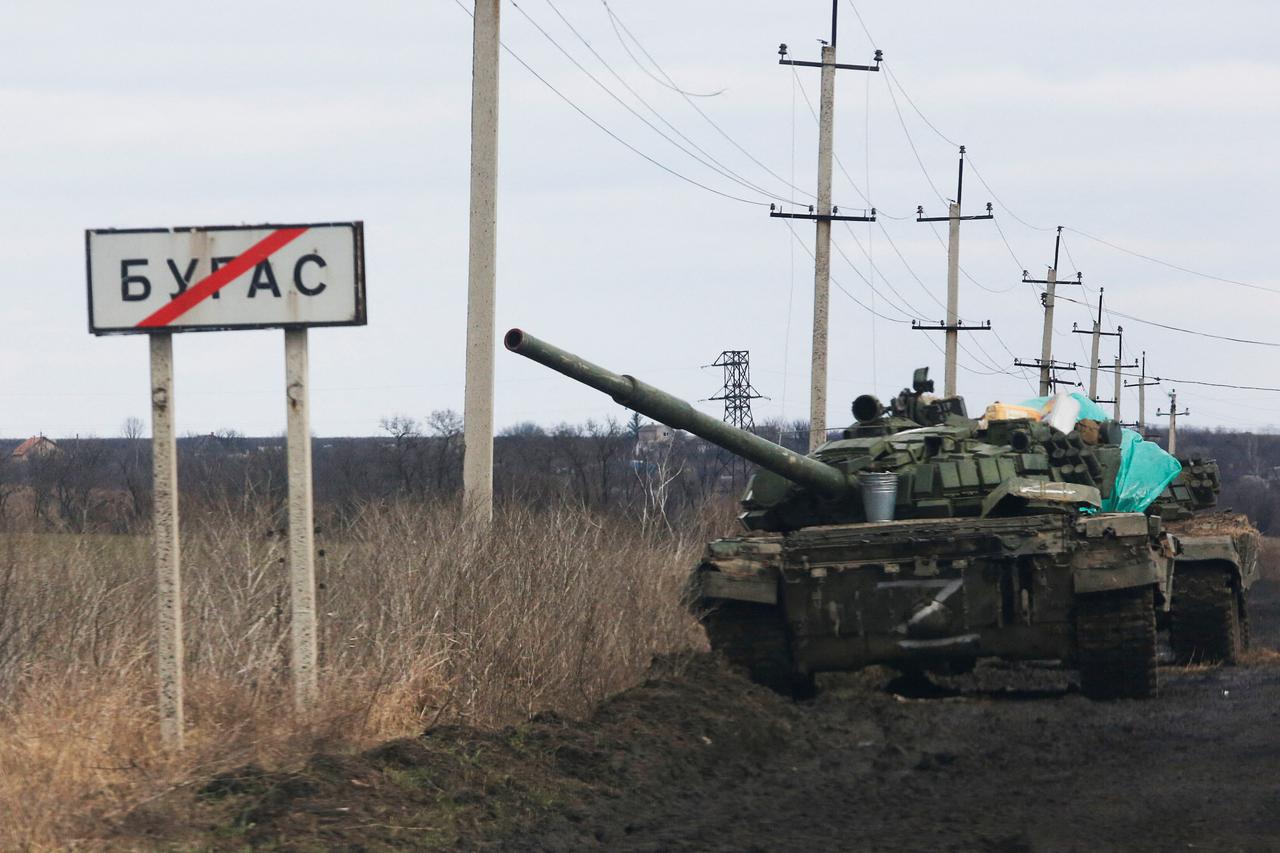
<point>162,280</point>
<point>302,572</point>
<point>164,458</point>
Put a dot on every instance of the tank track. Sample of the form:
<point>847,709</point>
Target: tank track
<point>754,636</point>
<point>1208,623</point>
<point>1116,642</point>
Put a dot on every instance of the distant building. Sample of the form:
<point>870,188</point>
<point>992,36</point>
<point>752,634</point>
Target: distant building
<point>36,447</point>
<point>653,436</point>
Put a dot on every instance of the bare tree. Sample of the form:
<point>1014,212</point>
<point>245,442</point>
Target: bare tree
<point>406,449</point>
<point>132,463</point>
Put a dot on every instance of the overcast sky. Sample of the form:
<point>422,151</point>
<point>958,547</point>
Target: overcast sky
<point>1152,126</point>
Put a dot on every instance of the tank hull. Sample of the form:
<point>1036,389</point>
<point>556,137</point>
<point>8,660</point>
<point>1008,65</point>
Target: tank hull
<point>926,592</point>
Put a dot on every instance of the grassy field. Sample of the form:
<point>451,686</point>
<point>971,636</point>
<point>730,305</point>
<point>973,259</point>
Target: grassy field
<point>423,621</point>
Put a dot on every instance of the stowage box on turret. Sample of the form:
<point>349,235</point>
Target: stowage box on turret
<point>997,544</point>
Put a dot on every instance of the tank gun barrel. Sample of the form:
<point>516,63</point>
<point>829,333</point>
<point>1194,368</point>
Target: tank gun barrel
<point>677,414</point>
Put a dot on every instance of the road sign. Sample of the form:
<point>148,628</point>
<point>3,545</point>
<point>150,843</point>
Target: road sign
<point>158,281</point>
<point>225,277</point>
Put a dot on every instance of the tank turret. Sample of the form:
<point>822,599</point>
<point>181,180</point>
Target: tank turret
<point>1195,489</point>
<point>947,464</point>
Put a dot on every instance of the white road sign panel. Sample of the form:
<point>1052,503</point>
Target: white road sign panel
<point>232,277</point>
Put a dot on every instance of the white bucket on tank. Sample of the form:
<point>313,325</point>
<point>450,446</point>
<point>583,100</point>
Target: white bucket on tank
<point>879,494</point>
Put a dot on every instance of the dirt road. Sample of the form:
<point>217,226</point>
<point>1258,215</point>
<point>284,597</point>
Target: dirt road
<point>1008,759</point>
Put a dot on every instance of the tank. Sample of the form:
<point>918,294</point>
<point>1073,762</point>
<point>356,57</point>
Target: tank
<point>1215,562</point>
<point>997,546</point>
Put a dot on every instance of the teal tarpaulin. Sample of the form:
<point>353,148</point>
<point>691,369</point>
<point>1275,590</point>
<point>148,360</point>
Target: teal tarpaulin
<point>1088,408</point>
<point>1145,471</point>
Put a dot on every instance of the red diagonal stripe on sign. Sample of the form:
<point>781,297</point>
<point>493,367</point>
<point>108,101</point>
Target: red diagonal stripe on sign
<point>212,283</point>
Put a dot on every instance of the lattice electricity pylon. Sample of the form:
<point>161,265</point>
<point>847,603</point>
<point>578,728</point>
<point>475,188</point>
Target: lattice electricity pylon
<point>737,392</point>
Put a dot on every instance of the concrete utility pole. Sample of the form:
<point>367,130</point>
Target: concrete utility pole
<point>1046,336</point>
<point>1173,414</point>
<point>824,214</point>
<point>477,464</point>
<point>1119,387</point>
<point>1045,362</point>
<point>952,326</point>
<point>1118,366</point>
<point>1098,334</point>
<point>1141,385</point>
<point>822,254</point>
<point>953,300</point>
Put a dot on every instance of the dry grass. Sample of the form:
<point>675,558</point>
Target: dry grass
<point>1269,558</point>
<point>423,620</point>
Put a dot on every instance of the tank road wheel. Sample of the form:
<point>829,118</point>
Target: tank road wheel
<point>1207,622</point>
<point>1116,644</point>
<point>754,636</point>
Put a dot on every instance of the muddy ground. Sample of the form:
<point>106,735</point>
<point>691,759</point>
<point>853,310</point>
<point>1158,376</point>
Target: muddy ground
<point>1008,759</point>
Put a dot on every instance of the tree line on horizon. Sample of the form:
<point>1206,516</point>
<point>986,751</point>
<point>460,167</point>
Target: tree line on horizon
<point>104,484</point>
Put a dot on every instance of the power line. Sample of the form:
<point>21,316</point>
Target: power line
<point>1183,330</point>
<point>1174,266</point>
<point>1072,261</point>
<point>1017,263</point>
<point>862,23</point>
<point>910,313</point>
<point>986,358</point>
<point>1006,207</point>
<point>912,143</point>
<point>892,80</point>
<point>920,113</point>
<point>618,22</point>
<point>923,118</point>
<point>724,173</point>
<point>911,271</point>
<point>580,111</point>
<point>990,362</point>
<point>965,272</point>
<point>840,286</point>
<point>1206,383</point>
<point>1021,371</point>
<point>718,165</point>
<point>916,311</point>
<point>966,367</point>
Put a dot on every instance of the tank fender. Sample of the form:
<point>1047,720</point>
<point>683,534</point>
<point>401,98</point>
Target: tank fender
<point>1199,549</point>
<point>1117,553</point>
<point>739,569</point>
